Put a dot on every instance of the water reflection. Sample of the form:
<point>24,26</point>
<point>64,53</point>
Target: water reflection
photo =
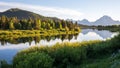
<point>35,39</point>
<point>10,46</point>
<point>102,33</point>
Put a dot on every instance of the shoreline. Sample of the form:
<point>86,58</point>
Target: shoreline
<point>32,33</point>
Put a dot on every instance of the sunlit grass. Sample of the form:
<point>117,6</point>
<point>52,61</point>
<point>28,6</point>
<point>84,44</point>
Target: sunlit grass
<point>31,33</point>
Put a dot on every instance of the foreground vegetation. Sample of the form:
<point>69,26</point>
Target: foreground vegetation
<point>92,54</point>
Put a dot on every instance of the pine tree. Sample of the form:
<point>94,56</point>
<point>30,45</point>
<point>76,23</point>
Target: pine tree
<point>37,24</point>
<point>11,25</point>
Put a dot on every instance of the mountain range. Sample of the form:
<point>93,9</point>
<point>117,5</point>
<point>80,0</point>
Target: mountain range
<point>104,21</point>
<point>24,14</point>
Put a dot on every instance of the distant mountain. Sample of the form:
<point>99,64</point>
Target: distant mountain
<point>84,22</point>
<point>23,14</point>
<point>104,21</point>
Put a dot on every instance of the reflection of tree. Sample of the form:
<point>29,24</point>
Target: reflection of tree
<point>60,36</point>
<point>57,36</point>
<point>43,37</point>
<point>70,37</point>
<point>66,36</point>
<point>53,37</point>
<point>25,39</point>
<point>13,40</point>
<point>63,37</point>
<point>37,39</point>
<point>3,42</point>
<point>75,35</point>
<point>30,40</point>
<point>48,38</point>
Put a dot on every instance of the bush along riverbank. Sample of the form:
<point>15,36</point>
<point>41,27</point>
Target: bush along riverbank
<point>91,54</point>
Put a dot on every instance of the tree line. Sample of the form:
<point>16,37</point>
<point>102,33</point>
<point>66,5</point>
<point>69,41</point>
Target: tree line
<point>14,23</point>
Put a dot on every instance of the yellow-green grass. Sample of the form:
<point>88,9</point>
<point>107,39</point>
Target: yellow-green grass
<point>31,33</point>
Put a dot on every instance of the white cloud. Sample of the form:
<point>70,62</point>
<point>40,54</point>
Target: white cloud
<point>46,11</point>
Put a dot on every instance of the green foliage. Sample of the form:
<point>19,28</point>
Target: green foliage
<point>59,25</point>
<point>33,60</point>
<point>112,61</point>
<point>29,25</point>
<point>66,55</point>
<point>48,26</point>
<point>4,64</point>
<point>76,55</point>
<point>36,24</point>
<point>115,28</point>
<point>43,25</point>
<point>63,54</point>
<point>11,25</point>
<point>66,28</point>
<point>17,25</point>
<point>3,21</point>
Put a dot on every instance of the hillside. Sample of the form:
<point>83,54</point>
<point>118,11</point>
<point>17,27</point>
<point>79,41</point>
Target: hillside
<point>23,14</point>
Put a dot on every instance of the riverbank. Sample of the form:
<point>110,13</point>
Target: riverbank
<point>115,28</point>
<point>91,54</point>
<point>32,33</point>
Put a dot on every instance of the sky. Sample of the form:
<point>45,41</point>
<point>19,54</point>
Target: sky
<point>67,9</point>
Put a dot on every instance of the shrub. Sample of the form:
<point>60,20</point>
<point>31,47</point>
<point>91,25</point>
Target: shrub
<point>4,64</point>
<point>67,55</point>
<point>33,60</point>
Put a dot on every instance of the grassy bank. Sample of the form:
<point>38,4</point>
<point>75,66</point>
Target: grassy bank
<point>30,33</point>
<point>91,54</point>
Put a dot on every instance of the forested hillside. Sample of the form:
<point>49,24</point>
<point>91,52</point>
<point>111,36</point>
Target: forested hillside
<point>17,19</point>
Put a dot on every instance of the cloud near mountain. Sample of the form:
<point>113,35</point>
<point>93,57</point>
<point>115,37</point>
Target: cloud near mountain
<point>62,13</point>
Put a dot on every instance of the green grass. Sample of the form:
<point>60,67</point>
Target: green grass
<point>112,61</point>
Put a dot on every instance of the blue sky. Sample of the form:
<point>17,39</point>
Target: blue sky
<point>64,9</point>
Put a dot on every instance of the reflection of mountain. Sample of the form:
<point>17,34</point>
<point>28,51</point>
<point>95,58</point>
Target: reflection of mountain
<point>103,33</point>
